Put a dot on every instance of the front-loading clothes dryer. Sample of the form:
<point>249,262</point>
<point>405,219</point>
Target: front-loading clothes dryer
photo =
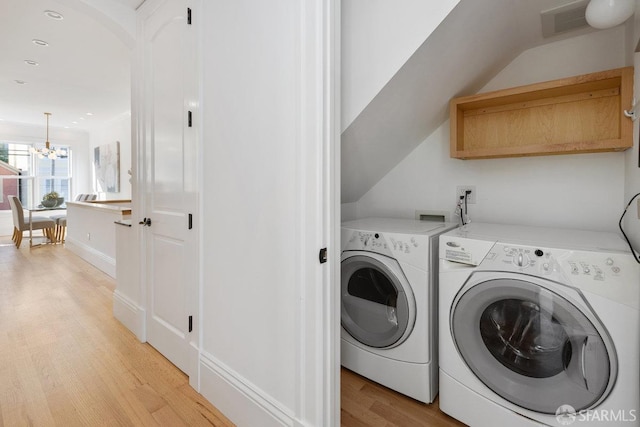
<point>388,292</point>
<point>538,327</point>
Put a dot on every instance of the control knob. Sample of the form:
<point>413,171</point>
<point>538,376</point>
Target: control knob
<point>521,260</point>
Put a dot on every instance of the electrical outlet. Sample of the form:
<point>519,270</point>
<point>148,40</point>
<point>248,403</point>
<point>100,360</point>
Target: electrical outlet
<point>461,189</point>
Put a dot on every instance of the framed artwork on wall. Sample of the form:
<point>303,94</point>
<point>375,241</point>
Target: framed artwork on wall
<point>106,165</point>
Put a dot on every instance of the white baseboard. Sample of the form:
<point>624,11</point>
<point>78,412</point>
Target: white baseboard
<point>239,400</point>
<point>130,315</point>
<point>194,366</point>
<point>100,260</point>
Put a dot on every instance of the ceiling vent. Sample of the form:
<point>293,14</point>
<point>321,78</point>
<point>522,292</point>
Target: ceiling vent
<point>564,18</point>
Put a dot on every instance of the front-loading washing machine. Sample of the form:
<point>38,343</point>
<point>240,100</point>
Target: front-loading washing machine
<point>389,301</point>
<point>538,327</point>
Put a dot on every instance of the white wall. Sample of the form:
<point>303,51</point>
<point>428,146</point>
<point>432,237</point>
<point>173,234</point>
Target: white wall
<point>349,211</point>
<point>265,76</point>
<point>476,40</point>
<point>115,129</point>
<point>578,191</point>
<point>378,37</point>
<point>91,234</point>
<point>250,326</point>
<point>631,224</point>
<point>77,140</point>
<point>596,51</point>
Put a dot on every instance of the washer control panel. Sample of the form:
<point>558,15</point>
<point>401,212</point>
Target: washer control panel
<point>614,275</point>
<point>522,258</point>
<point>590,265</point>
<point>596,268</point>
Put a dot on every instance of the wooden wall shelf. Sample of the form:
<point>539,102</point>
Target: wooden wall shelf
<point>581,114</point>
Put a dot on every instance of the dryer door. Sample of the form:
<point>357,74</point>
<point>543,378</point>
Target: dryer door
<point>527,340</point>
<point>378,307</point>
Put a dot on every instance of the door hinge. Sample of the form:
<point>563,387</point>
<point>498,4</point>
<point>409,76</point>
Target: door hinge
<point>188,16</point>
<point>190,221</point>
<point>322,256</point>
<point>190,323</point>
<point>189,119</point>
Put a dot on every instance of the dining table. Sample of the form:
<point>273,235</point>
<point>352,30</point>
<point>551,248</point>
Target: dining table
<point>41,208</point>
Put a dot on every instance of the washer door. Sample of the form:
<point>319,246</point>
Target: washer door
<point>526,340</point>
<point>378,307</point>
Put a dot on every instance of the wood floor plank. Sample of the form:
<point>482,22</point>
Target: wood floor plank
<point>360,413</point>
<point>166,416</point>
<point>36,398</point>
<point>58,400</point>
<point>364,401</point>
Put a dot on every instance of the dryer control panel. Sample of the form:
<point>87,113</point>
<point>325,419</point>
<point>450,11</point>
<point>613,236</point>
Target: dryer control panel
<point>412,249</point>
<point>368,241</point>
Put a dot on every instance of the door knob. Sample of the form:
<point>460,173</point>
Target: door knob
<point>145,222</point>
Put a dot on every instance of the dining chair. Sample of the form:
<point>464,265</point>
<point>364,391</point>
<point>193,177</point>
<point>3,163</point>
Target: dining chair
<point>20,225</point>
<point>60,228</point>
<point>61,220</point>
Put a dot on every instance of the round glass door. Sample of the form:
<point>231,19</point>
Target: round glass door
<point>377,304</point>
<point>531,345</point>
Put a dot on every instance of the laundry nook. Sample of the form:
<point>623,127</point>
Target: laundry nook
<point>521,142</point>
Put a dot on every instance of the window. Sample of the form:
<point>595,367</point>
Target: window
<point>30,178</point>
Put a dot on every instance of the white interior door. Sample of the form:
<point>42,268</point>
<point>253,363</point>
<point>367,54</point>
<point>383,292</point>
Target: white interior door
<point>170,193</point>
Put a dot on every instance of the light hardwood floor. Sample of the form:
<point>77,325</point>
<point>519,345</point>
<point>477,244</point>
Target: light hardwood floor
<point>366,403</point>
<point>65,360</point>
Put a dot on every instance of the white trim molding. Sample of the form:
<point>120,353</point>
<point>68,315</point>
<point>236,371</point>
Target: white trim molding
<point>318,359</point>
<point>130,314</point>
<point>98,259</point>
<point>239,399</point>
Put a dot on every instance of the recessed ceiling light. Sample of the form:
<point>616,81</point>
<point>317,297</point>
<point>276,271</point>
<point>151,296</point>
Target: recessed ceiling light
<point>54,15</point>
<point>30,62</point>
<point>89,114</point>
<point>81,118</point>
<point>20,82</point>
<point>40,42</point>
<point>75,123</point>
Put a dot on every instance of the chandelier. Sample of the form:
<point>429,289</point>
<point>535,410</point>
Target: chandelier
<point>48,151</point>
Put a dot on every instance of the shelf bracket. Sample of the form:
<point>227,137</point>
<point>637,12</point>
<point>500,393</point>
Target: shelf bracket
<point>631,113</point>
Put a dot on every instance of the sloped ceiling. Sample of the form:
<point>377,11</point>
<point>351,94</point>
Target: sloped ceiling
<point>376,38</point>
<point>474,42</point>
